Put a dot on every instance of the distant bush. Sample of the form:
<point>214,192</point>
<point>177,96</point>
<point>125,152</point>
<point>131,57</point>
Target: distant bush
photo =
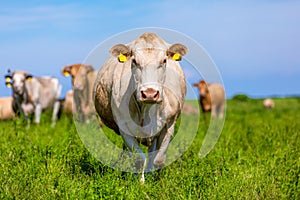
<point>241,97</point>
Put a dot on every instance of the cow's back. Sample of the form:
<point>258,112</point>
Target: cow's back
<point>45,90</point>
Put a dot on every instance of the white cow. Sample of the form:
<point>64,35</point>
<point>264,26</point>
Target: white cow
<point>139,93</point>
<point>34,94</point>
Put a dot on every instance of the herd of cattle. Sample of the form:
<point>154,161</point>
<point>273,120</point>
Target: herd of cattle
<point>139,93</point>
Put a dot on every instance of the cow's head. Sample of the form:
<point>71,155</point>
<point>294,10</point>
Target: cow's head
<point>149,68</point>
<point>16,80</point>
<point>202,86</point>
<point>78,72</point>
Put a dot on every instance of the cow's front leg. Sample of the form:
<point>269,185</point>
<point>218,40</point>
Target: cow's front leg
<point>134,146</point>
<point>26,109</point>
<point>78,106</point>
<point>86,110</point>
<point>38,111</point>
<point>221,111</point>
<point>151,155</point>
<point>162,144</point>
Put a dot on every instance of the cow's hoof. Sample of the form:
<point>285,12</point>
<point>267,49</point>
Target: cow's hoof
<point>159,160</point>
<point>142,179</point>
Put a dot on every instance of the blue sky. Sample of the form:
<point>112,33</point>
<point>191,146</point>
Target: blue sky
<point>255,45</point>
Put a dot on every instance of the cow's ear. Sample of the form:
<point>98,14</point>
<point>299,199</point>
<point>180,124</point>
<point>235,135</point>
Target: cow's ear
<point>195,85</point>
<point>121,51</point>
<point>8,84</point>
<point>89,68</point>
<point>29,77</point>
<point>8,78</point>
<point>176,51</point>
<point>66,70</point>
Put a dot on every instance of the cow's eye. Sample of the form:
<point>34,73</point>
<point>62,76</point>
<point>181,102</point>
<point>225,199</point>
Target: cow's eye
<point>164,61</point>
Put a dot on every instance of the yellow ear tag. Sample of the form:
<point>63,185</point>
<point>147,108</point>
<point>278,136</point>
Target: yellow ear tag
<point>29,78</point>
<point>7,79</point>
<point>8,84</point>
<point>122,58</point>
<point>176,57</point>
<point>66,74</point>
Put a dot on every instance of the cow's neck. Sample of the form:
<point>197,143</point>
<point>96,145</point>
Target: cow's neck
<point>206,102</point>
<point>86,94</point>
<point>23,98</point>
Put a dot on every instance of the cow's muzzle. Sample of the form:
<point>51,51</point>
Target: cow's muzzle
<point>78,86</point>
<point>18,90</point>
<point>149,95</point>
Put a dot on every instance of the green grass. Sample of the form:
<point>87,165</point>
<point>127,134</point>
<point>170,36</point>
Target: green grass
<point>256,157</point>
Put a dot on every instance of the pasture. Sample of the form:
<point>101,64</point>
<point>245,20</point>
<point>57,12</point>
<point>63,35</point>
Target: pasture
<point>256,157</point>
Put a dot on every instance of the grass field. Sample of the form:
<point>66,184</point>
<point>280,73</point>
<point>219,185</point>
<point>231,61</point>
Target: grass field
<point>256,157</point>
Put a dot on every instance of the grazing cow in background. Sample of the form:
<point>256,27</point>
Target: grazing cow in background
<point>269,103</point>
<point>189,109</point>
<point>212,98</point>
<point>83,78</point>
<point>6,109</point>
<point>139,93</point>
<point>34,94</point>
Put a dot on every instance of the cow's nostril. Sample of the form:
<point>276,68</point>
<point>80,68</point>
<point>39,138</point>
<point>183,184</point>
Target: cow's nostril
<point>144,96</point>
<point>150,95</point>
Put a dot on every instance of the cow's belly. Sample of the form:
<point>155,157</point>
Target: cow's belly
<point>47,100</point>
<point>47,104</point>
<point>103,108</point>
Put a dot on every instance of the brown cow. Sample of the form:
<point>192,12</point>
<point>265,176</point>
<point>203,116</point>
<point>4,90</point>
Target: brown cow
<point>211,98</point>
<point>139,93</point>
<point>6,109</point>
<point>83,78</point>
<point>189,109</point>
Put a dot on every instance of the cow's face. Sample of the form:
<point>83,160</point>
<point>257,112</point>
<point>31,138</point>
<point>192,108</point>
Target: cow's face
<point>76,71</point>
<point>202,86</point>
<point>17,81</point>
<point>149,72</point>
<point>81,81</point>
<point>149,68</point>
